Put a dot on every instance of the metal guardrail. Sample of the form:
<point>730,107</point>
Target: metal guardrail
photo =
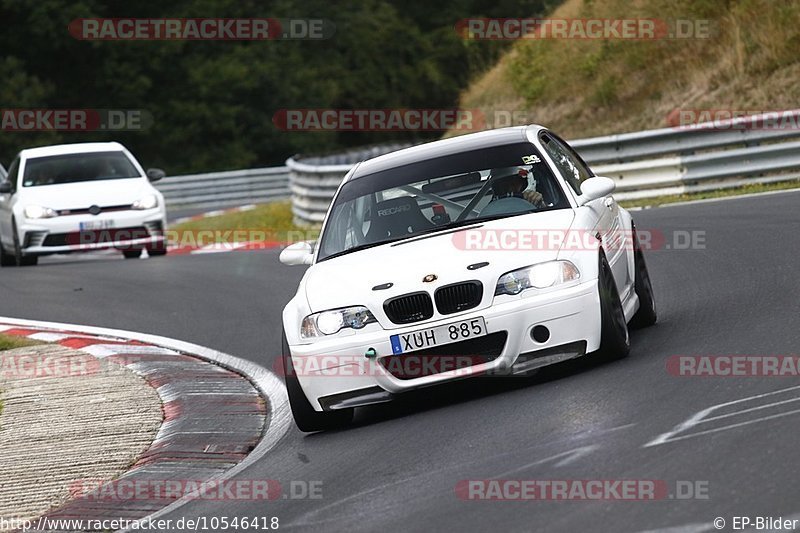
<point>217,190</point>
<point>314,180</point>
<point>221,189</point>
<point>645,164</point>
<point>745,131</point>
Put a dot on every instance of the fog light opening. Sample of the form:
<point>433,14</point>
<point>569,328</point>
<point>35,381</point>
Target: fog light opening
<point>540,334</point>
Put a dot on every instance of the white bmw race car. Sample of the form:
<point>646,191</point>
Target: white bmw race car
<point>494,253</point>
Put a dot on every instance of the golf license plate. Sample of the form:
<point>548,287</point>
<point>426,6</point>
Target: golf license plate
<point>446,334</point>
<point>96,224</point>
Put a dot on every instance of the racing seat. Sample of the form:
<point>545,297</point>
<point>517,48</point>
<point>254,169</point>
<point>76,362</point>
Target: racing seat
<point>396,217</point>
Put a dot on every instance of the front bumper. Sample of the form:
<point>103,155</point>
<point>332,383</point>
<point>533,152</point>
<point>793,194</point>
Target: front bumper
<point>338,367</point>
<point>63,234</point>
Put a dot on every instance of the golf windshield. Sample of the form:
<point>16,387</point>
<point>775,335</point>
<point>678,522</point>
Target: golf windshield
<point>70,168</point>
<point>438,194</point>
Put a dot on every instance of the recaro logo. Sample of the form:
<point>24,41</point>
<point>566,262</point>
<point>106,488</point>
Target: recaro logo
<point>393,210</point>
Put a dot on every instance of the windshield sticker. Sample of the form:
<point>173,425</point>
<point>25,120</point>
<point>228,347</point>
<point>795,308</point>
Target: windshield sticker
<point>530,159</point>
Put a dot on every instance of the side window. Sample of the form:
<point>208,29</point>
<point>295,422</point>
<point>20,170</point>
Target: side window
<point>12,173</point>
<point>569,163</point>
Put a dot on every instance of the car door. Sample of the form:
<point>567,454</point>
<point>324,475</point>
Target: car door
<point>6,203</point>
<point>606,210</point>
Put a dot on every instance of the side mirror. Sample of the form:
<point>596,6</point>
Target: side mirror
<point>299,253</point>
<point>5,187</point>
<point>155,174</point>
<point>595,188</point>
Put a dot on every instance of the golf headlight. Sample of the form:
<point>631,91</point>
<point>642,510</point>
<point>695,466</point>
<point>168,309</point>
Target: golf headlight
<point>331,322</point>
<point>541,276</point>
<point>37,211</point>
<point>148,202</point>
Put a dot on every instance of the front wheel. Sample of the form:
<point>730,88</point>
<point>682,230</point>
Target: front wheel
<point>19,258</point>
<point>646,314</point>
<point>132,254</point>
<point>306,418</point>
<point>615,342</point>
<point>6,259</point>
<point>157,251</point>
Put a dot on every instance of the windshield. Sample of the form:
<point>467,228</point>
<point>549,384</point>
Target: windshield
<point>438,194</point>
<point>59,169</point>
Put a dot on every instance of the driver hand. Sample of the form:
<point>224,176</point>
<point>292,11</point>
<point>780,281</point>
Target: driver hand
<point>533,197</point>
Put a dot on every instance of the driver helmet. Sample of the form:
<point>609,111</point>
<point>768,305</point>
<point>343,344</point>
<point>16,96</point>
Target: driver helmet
<point>508,181</point>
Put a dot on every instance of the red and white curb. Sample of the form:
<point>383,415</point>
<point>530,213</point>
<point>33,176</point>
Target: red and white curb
<point>139,349</point>
<point>215,213</point>
<point>224,247</point>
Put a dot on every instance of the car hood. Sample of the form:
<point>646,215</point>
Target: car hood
<point>349,279</point>
<point>84,194</point>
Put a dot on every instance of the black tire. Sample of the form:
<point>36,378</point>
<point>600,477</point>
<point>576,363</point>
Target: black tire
<point>6,259</point>
<point>306,418</point>
<point>157,250</point>
<point>646,315</point>
<point>19,258</point>
<point>615,341</point>
<point>132,254</point>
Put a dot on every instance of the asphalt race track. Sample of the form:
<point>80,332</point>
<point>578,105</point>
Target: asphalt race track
<point>398,466</point>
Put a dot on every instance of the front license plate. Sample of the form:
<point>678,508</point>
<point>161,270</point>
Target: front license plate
<point>426,338</point>
<point>96,224</point>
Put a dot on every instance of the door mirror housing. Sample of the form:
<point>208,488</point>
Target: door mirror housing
<point>594,188</point>
<point>299,253</point>
<point>5,187</point>
<point>155,174</point>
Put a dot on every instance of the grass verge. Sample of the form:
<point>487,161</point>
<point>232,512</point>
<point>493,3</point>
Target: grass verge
<point>266,222</point>
<point>9,342</point>
<point>744,58</point>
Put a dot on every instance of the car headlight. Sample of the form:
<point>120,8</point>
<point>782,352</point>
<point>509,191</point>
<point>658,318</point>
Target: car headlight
<point>541,276</point>
<point>148,202</point>
<point>37,211</point>
<point>331,322</point>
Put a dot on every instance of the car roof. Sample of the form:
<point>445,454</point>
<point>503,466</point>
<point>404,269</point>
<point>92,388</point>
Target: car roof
<point>74,148</point>
<point>451,145</point>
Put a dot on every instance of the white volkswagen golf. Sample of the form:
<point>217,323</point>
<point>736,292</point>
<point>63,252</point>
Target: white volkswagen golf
<point>79,197</point>
<point>495,253</point>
